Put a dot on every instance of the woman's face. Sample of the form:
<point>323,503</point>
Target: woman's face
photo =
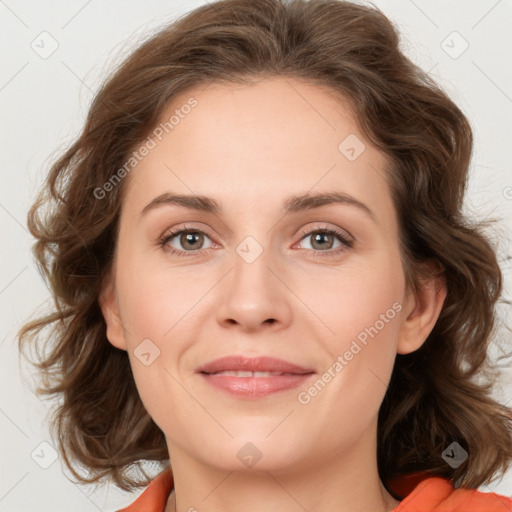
<point>260,277</point>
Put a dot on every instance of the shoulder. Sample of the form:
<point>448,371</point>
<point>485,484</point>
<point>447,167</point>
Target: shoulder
<point>154,497</point>
<point>435,494</point>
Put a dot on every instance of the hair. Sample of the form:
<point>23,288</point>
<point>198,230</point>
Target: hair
<point>434,397</point>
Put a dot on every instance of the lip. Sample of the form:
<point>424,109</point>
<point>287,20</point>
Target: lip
<point>252,364</point>
<point>254,387</point>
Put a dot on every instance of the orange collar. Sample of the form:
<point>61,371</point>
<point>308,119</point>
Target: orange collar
<point>420,491</point>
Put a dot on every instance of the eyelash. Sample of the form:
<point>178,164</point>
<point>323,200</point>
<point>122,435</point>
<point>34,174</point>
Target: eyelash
<point>169,235</point>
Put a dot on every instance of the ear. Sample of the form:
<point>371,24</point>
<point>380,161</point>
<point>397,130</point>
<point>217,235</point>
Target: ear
<point>110,309</point>
<point>422,310</point>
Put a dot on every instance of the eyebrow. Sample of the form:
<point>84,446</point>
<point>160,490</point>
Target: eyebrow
<point>292,204</point>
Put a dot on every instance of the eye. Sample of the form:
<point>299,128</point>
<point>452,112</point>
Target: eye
<point>324,239</point>
<point>191,241</point>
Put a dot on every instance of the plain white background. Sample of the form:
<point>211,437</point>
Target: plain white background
<point>465,45</point>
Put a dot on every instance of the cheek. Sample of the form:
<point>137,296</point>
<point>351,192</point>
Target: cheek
<point>368,315</point>
<point>152,310</point>
<point>360,310</point>
<point>361,299</point>
<point>155,300</point>
<point>365,317</point>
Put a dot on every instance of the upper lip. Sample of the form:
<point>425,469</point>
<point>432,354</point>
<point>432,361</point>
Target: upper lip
<point>253,364</point>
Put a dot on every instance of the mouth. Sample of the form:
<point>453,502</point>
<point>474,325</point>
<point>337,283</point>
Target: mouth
<point>251,378</point>
<point>243,373</point>
<point>261,364</point>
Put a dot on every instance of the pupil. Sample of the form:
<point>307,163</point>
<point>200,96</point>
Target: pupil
<point>189,237</point>
<point>319,236</point>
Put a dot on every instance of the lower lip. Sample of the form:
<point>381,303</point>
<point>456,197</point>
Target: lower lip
<point>255,387</point>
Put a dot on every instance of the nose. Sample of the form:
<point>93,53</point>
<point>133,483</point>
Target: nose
<point>253,294</point>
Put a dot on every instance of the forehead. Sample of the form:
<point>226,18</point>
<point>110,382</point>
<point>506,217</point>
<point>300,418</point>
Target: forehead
<point>259,141</point>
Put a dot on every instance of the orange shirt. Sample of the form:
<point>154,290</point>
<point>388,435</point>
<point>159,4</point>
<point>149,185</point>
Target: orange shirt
<point>421,493</point>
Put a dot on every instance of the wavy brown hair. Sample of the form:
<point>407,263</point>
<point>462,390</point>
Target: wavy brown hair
<point>438,394</point>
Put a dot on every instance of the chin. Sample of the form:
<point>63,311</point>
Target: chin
<point>252,449</point>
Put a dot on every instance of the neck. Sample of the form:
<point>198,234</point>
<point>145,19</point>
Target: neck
<point>345,482</point>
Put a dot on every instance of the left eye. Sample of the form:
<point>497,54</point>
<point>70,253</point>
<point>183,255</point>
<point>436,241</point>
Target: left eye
<point>320,235</point>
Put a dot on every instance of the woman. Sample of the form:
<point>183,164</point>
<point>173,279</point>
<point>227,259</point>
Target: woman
<point>200,322</point>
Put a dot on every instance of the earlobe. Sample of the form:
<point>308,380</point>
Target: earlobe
<point>421,313</point>
<point>110,311</point>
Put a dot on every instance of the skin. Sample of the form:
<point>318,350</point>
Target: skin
<point>250,147</point>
